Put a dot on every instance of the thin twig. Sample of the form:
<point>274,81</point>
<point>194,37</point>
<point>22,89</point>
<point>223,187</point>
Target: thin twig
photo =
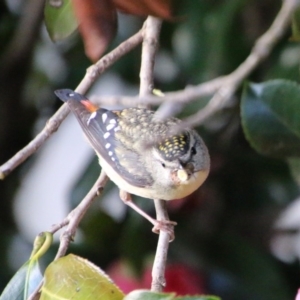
<point>160,260</point>
<point>54,122</point>
<point>75,216</point>
<point>150,44</point>
<point>72,221</point>
<point>190,93</point>
<point>108,60</point>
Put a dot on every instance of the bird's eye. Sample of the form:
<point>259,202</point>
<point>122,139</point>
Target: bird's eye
<point>163,165</point>
<point>193,150</point>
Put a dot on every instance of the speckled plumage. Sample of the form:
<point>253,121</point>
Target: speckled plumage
<point>170,168</point>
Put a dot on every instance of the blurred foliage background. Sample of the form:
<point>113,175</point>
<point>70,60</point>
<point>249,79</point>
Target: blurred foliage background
<point>226,233</point>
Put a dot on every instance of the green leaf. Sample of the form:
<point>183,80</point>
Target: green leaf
<point>29,276</point>
<point>270,114</point>
<point>16,287</point>
<point>148,295</point>
<point>72,277</point>
<point>60,19</point>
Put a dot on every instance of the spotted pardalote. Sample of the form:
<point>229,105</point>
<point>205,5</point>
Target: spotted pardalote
<point>137,151</point>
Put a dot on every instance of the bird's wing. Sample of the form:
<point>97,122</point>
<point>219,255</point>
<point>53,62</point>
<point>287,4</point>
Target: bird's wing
<point>101,127</point>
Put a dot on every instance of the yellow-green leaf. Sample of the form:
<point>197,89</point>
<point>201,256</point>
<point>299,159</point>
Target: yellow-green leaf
<point>72,277</point>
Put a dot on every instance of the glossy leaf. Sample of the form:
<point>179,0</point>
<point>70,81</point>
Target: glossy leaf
<point>148,295</point>
<point>72,277</point>
<point>16,287</point>
<point>60,19</point>
<point>159,8</point>
<point>271,117</point>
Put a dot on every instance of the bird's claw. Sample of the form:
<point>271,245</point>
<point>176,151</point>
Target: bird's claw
<point>166,226</point>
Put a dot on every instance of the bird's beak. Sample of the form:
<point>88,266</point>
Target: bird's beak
<point>185,172</point>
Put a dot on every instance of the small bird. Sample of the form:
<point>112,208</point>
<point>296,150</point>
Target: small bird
<point>140,153</point>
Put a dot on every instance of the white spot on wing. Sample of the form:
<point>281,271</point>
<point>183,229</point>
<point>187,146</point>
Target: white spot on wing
<point>112,121</point>
<point>117,128</point>
<point>112,158</point>
<point>92,116</point>
<point>110,127</point>
<point>110,153</point>
<point>106,135</point>
<point>107,145</point>
<point>104,117</point>
<point>71,94</point>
